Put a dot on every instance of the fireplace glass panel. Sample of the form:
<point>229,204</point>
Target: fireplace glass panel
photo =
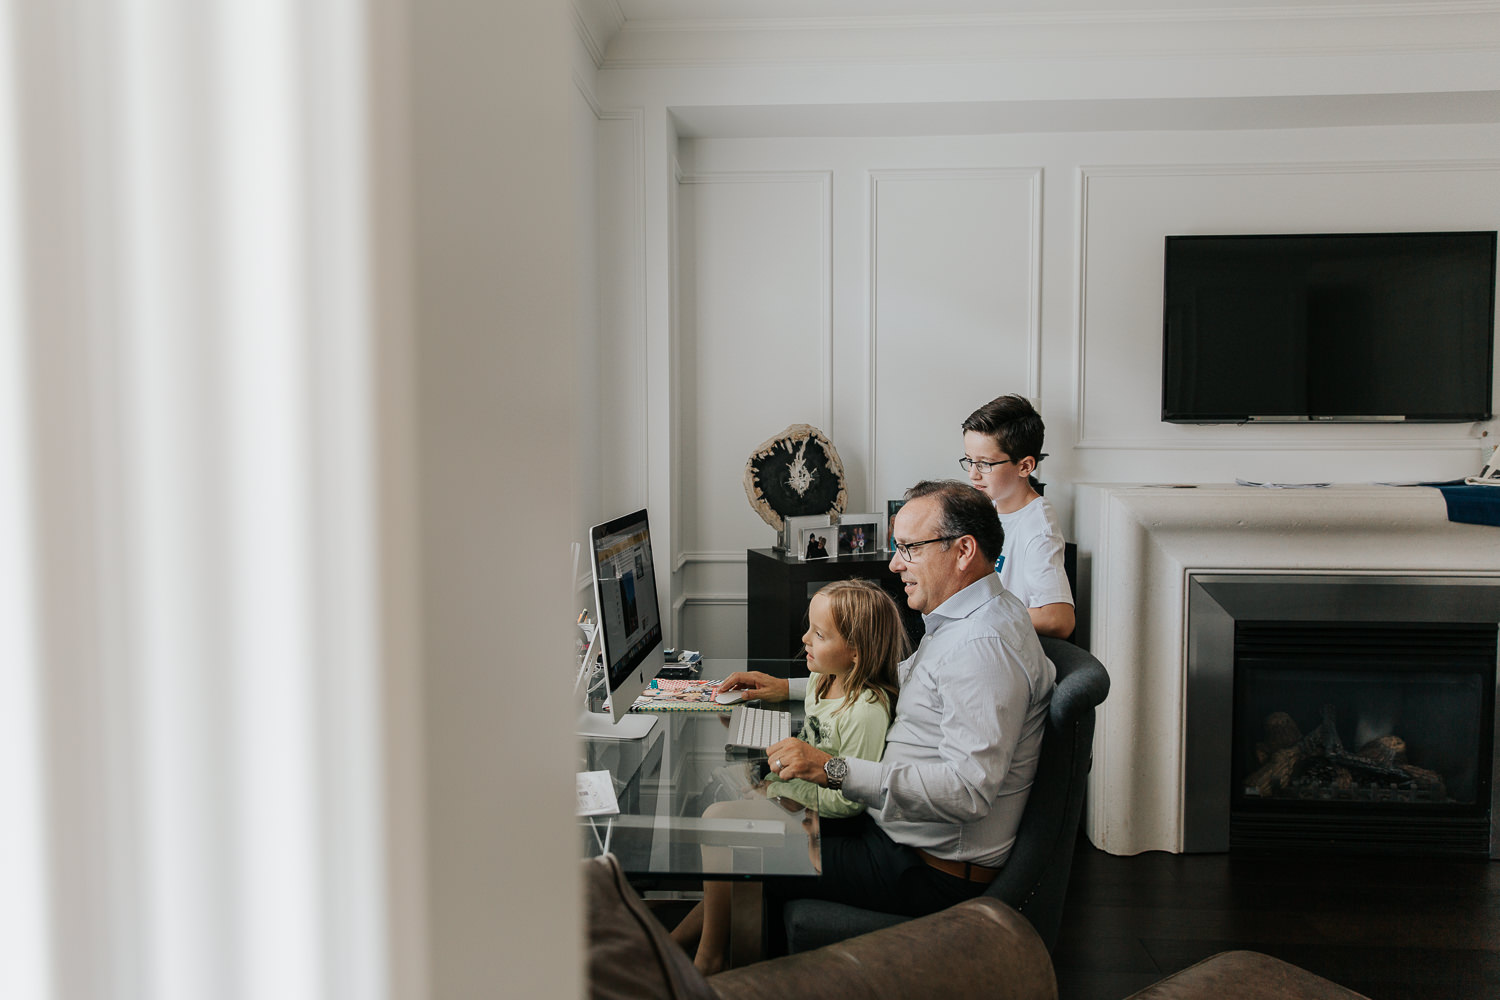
<point>1359,734</point>
<point>1363,736</point>
<point>1407,667</point>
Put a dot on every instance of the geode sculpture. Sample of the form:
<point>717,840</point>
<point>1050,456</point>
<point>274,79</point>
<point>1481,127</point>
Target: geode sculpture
<point>795,474</point>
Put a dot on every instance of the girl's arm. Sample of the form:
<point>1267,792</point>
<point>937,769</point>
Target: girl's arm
<point>858,731</point>
<point>760,685</point>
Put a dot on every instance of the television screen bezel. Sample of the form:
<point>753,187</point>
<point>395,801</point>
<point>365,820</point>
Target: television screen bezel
<point>1189,417</point>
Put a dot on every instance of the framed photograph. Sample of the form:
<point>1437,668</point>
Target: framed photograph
<point>811,537</point>
<point>859,534</point>
<point>891,506</point>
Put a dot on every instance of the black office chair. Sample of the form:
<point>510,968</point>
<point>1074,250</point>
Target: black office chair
<point>1035,877</point>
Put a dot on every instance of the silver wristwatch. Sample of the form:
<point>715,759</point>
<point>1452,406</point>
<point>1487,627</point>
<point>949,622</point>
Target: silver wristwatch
<point>837,769</point>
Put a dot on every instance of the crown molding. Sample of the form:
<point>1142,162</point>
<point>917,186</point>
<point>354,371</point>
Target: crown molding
<point>596,22</point>
<point>1447,25</point>
<point>906,22</point>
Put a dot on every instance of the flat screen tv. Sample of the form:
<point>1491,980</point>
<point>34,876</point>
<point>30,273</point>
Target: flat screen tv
<point>1329,327</point>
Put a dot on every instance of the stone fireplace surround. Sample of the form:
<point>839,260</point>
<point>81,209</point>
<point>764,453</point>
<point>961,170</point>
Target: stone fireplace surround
<point>1139,545</point>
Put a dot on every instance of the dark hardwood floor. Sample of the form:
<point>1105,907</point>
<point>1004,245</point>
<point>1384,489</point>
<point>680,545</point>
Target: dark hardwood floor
<point>1392,929</point>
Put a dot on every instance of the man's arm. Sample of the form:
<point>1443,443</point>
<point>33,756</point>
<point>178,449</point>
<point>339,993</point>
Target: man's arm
<point>859,732</point>
<point>981,705</point>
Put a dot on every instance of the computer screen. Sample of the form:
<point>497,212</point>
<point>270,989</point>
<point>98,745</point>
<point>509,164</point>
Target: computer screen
<point>629,612</point>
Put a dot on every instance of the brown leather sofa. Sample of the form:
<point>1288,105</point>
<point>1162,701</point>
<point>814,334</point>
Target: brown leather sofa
<point>981,948</point>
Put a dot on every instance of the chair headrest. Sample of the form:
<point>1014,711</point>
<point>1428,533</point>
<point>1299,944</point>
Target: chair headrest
<point>1082,681</point>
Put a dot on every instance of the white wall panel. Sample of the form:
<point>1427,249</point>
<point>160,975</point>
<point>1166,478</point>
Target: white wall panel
<point>957,274</point>
<point>586,185</point>
<point>1128,210</point>
<point>756,342</point>
<point>713,624</point>
<point>616,370</point>
<point>955,292</point>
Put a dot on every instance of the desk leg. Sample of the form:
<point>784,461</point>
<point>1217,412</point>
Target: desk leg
<point>745,945</point>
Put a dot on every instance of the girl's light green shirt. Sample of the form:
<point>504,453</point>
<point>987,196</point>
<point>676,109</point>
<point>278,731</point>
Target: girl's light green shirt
<point>857,731</point>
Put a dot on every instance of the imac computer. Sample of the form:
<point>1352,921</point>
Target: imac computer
<point>629,628</point>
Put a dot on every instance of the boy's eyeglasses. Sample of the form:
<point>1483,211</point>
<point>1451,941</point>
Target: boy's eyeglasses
<point>904,548</point>
<point>984,467</point>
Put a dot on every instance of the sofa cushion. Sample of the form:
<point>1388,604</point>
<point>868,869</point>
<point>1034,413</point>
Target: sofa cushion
<point>630,954</point>
<point>977,948</point>
<point>1245,975</point>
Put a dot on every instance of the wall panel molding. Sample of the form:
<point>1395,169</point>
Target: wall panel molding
<point>687,558</point>
<point>682,603</point>
<point>1033,283</point>
<point>635,327</point>
<point>823,179</point>
<point>1230,436</point>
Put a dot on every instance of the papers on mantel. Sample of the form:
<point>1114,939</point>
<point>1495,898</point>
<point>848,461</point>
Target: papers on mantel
<point>1467,481</point>
<point>1282,486</point>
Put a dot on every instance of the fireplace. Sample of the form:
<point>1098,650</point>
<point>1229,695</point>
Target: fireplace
<point>1140,550</point>
<point>1343,714</point>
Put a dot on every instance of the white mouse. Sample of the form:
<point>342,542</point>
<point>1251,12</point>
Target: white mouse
<point>729,697</point>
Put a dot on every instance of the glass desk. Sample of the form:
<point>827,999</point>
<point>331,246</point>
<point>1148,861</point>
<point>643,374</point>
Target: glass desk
<point>690,809</point>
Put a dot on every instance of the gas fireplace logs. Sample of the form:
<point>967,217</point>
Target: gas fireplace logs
<point>1316,765</point>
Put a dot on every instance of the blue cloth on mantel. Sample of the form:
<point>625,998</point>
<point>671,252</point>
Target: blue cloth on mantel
<point>1471,504</point>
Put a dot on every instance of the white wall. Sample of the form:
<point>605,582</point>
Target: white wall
<point>832,262</point>
<point>881,289</point>
<point>609,372</point>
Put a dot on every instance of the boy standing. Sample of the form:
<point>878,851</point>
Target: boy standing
<point>1002,446</point>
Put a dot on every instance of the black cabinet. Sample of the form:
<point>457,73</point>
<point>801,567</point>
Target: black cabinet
<point>779,588</point>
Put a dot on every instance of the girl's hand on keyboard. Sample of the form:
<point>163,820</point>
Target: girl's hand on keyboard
<point>756,685</point>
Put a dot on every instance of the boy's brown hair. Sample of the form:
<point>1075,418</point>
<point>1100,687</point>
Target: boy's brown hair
<point>1014,424</point>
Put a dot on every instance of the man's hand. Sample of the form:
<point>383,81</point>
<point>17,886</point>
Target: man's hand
<point>792,758</point>
<point>756,685</point>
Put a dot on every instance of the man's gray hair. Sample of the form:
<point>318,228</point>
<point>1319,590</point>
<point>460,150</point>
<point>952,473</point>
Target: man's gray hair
<point>965,511</point>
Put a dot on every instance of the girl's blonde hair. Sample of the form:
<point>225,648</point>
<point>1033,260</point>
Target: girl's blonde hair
<point>867,619</point>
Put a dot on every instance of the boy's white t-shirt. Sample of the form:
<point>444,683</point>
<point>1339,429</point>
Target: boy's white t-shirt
<point>1031,561</point>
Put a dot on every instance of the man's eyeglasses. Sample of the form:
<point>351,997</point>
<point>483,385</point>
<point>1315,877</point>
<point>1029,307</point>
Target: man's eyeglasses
<point>903,549</point>
<point>984,467</point>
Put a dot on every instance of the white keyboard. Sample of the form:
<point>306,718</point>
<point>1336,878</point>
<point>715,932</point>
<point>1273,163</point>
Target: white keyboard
<point>757,728</point>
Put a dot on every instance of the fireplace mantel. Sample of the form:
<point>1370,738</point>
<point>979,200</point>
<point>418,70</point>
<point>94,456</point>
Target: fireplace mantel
<point>1137,546</point>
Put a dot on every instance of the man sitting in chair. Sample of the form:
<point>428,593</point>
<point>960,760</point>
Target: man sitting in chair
<point>946,798</point>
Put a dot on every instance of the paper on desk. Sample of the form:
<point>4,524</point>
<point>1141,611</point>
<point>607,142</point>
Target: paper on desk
<point>1282,486</point>
<point>596,794</point>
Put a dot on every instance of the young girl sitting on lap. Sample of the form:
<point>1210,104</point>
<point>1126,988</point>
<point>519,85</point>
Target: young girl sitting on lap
<point>854,641</point>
